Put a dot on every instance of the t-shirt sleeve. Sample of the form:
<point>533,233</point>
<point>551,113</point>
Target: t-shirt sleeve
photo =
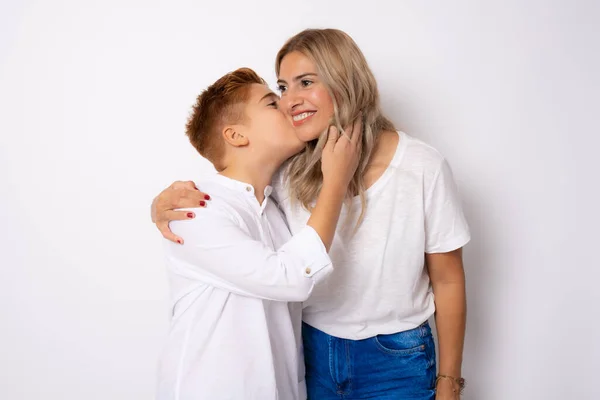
<point>446,228</point>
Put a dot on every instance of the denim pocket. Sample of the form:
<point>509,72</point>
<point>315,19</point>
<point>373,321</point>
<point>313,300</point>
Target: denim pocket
<point>401,343</point>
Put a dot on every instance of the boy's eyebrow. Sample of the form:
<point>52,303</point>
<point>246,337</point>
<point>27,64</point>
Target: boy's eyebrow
<point>270,94</point>
<point>299,77</point>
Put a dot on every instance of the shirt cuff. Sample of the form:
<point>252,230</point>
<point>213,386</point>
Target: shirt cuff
<point>309,245</point>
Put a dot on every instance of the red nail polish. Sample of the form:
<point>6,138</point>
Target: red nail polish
<point>178,241</point>
<point>190,215</point>
<point>202,203</point>
<point>206,197</point>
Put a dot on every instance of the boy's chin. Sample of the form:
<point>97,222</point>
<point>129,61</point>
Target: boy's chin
<point>283,152</point>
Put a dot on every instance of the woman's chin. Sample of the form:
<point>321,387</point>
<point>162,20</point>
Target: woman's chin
<point>308,135</point>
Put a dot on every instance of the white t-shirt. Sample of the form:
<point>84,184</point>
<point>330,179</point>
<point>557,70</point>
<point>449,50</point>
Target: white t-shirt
<point>236,286</point>
<point>380,284</point>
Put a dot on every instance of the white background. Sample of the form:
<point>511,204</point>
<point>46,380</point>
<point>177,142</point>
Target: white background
<point>93,100</point>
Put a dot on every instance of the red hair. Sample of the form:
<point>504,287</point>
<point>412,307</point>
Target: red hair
<point>219,105</point>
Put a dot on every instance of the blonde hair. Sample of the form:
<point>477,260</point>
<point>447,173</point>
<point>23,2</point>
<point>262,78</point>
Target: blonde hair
<point>344,70</point>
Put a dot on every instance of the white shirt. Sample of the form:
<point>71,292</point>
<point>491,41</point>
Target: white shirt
<point>380,284</point>
<point>233,333</point>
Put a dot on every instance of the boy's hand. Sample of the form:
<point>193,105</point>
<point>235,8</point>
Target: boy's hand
<point>341,155</point>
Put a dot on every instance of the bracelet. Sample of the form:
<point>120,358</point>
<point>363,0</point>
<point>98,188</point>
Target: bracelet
<point>459,381</point>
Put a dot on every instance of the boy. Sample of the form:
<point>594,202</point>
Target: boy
<point>233,333</point>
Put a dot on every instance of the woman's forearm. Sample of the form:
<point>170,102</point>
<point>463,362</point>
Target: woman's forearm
<point>450,320</point>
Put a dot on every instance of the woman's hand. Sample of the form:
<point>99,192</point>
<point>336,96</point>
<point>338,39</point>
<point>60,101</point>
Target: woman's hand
<point>178,195</point>
<point>446,389</point>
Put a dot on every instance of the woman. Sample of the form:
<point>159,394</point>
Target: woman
<point>399,239</point>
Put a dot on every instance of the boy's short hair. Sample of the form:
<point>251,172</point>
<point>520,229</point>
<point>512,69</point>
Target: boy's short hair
<point>220,104</point>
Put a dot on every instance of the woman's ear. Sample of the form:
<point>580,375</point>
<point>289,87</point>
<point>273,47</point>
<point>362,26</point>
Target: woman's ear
<point>232,135</point>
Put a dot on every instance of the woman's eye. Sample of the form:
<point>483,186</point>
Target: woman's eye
<point>281,88</point>
<point>305,82</point>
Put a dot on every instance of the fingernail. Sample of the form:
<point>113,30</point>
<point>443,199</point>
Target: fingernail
<point>179,241</point>
<point>190,215</point>
<point>206,197</point>
<point>202,203</point>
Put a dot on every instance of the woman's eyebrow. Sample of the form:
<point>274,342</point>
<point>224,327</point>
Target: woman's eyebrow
<point>299,77</point>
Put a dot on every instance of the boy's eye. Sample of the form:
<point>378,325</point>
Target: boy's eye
<point>273,104</point>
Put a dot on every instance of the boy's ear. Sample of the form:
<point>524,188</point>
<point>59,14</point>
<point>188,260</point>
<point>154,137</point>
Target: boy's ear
<point>232,135</point>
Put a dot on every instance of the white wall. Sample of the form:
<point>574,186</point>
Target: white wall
<point>93,98</point>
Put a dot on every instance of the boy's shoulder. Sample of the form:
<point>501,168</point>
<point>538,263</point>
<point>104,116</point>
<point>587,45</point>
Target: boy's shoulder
<point>235,201</point>
<point>224,200</point>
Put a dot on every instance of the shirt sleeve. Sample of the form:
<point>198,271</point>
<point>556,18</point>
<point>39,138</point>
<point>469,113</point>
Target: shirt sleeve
<point>218,251</point>
<point>446,228</point>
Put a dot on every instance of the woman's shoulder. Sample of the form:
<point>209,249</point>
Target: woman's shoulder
<point>280,184</point>
<point>419,154</point>
<point>385,148</point>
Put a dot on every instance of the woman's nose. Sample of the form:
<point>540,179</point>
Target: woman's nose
<point>290,101</point>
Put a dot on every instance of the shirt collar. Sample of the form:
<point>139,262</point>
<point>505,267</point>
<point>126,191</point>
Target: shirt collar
<point>241,186</point>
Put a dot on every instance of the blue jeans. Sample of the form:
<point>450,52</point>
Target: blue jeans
<point>385,367</point>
